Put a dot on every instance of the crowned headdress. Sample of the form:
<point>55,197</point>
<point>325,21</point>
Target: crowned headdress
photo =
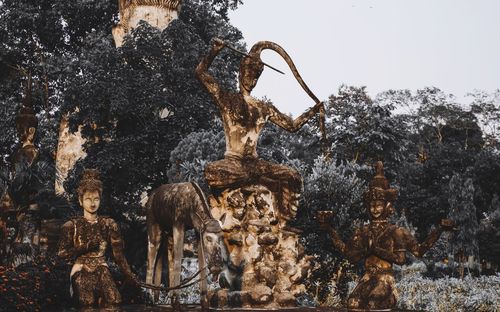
<point>90,182</point>
<point>379,187</point>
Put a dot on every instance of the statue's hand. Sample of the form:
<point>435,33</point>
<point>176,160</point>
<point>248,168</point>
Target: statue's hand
<point>319,106</point>
<point>447,225</point>
<point>132,280</point>
<point>102,246</point>
<point>93,245</point>
<point>324,219</point>
<point>218,44</point>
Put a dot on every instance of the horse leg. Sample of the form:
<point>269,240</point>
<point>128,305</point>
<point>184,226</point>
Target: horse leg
<point>203,276</point>
<point>154,243</point>
<point>170,259</point>
<point>158,271</point>
<point>178,249</point>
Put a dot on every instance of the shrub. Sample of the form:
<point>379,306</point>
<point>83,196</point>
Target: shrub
<point>449,294</point>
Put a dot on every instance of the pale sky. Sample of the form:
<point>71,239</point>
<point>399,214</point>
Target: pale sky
<point>381,44</point>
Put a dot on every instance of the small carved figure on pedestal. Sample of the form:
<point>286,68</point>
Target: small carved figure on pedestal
<point>379,244</point>
<point>26,123</point>
<point>23,219</point>
<point>84,242</point>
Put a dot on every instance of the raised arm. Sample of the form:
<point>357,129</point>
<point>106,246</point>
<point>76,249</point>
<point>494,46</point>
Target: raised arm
<point>289,124</point>
<point>202,70</point>
<point>420,249</point>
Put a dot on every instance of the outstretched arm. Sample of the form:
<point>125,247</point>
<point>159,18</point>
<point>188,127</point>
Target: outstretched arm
<point>117,247</point>
<point>293,125</point>
<point>202,70</point>
<point>354,249</point>
<point>420,249</point>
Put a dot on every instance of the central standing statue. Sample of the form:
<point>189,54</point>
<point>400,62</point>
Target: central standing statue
<point>253,198</point>
<point>244,117</point>
<point>84,241</point>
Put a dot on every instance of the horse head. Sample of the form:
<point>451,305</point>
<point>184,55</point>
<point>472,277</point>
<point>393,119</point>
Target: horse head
<point>214,248</point>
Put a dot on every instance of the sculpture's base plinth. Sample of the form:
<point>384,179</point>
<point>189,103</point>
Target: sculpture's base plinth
<point>267,263</point>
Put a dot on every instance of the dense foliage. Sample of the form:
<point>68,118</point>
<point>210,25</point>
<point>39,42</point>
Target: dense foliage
<point>448,294</point>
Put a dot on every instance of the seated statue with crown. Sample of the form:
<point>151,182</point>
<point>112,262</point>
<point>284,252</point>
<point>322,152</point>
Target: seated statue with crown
<point>379,244</point>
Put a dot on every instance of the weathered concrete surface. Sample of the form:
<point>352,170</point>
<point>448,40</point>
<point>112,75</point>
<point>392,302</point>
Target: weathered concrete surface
<point>157,13</point>
<point>272,265</point>
<point>69,151</point>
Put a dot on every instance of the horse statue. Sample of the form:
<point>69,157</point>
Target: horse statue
<point>172,209</point>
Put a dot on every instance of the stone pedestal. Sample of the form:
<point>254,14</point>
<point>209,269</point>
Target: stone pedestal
<point>267,263</point>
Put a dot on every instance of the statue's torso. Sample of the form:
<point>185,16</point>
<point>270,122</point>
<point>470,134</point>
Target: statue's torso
<point>243,118</point>
<point>384,236</point>
<point>84,233</point>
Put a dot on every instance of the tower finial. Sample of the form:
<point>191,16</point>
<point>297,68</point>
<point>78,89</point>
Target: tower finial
<point>157,13</point>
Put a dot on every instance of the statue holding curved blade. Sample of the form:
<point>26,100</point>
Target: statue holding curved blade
<point>244,117</point>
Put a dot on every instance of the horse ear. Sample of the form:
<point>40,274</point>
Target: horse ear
<point>213,226</point>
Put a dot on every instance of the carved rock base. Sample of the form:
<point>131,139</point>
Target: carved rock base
<point>267,263</point>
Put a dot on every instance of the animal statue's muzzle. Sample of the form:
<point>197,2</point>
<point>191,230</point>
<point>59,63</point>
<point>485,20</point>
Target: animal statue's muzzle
<point>215,271</point>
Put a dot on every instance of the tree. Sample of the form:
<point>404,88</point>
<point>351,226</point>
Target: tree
<point>122,94</point>
<point>337,188</point>
<point>489,234</point>
<point>444,139</point>
<point>194,152</point>
<point>486,107</point>
<point>362,130</point>
<point>463,212</point>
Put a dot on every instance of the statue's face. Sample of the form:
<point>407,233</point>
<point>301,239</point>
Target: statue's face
<point>377,209</point>
<point>90,201</point>
<point>5,202</point>
<point>250,70</point>
<point>28,135</point>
